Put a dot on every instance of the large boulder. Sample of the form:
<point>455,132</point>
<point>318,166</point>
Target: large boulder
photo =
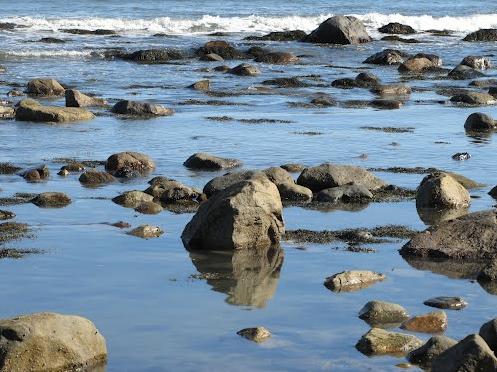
<point>470,354</point>
<point>221,48</point>
<point>340,30</point>
<point>435,346</point>
<point>463,72</point>
<point>396,28</point>
<point>328,175</point>
<point>45,87</point>
<point>246,215</point>
<point>387,57</point>
<point>381,312</point>
<point>51,200</point>
<point>489,34</point>
<point>31,110</point>
<point>222,182</point>
<point>416,64</point>
<point>204,161</point>
<point>440,190</point>
<point>50,342</point>
<point>479,122</point>
<point>95,178</point>
<point>129,161</point>
<point>488,332</point>
<point>144,109</point>
<point>74,98</point>
<point>471,237</point>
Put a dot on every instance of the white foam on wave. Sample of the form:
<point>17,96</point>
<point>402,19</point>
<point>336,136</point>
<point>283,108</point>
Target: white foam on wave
<point>49,53</point>
<point>248,24</point>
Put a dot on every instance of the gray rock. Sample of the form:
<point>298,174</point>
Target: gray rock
<point>477,62</point>
<point>149,208</point>
<point>74,98</point>
<point>146,232</point>
<point>346,193</point>
<point>45,87</point>
<point>245,70</point>
<point>31,110</point>
<point>435,346</point>
<point>354,280</point>
<point>50,342</point>
<point>212,57</point>
<point>222,182</point>
<point>287,187</point>
<point>277,58</point>
<point>470,354</point>
<point>222,48</point>
<point>463,72</point>
<point>36,174</point>
<point>383,313</point>
<point>246,215</point>
<point>443,302</point>
<point>396,28</point>
<point>132,199</point>
<point>143,109</point>
<point>479,122</point>
<point>329,175</point>
<point>416,64</point>
<point>340,30</point>
<point>171,191</point>
<point>204,161</point>
<point>392,90</point>
<point>51,200</point>
<point>474,99</point>
<point>293,167</point>
<point>201,85</point>
<point>489,34</point>
<point>440,190</point>
<point>380,342</point>
<point>387,57</point>
<point>488,332</point>
<point>153,56</point>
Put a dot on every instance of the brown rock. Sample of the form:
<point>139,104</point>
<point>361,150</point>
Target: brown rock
<point>434,322</point>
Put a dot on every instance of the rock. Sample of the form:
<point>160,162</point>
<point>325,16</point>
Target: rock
<point>466,182</point>
<point>493,192</point>
<point>171,191</point>
<point>222,68</point>
<point>129,160</point>
<point>461,156</point>
<point>476,62</point>
<point>387,57</point>
<point>31,110</point>
<point>339,30</point>
<point>93,178</point>
<point>323,101</point>
<point>452,303</point>
<point>470,237</point>
<point>440,190</point>
<point>294,35</point>
<point>222,182</point>
<point>7,112</point>
<point>348,281</point>
<point>435,346</point>
<point>287,187</point>
<point>436,60</point>
<point>245,70</point>
<point>488,332</point>
<point>392,90</point>
<point>79,31</point>
<point>344,83</point>
<point>379,342</point>
<point>463,72</point>
<point>15,93</point>
<point>386,104</point>
<point>416,64</point>
<point>204,161</point>
<point>293,167</point>
<point>63,173</point>
<point>396,28</point>
<point>146,232</point>
<point>488,273</point>
<point>6,215</point>
<point>132,199</point>
<point>120,225</point>
<point>134,108</point>
<point>50,342</point>
<point>329,175</point>
<point>492,91</point>
<point>434,322</point>
<point>257,334</point>
<point>37,174</point>
<point>382,313</point>
<point>149,208</point>
<point>153,56</point>
<point>246,215</point>
<point>74,98</point>
<point>470,354</point>
<point>277,58</point>
<point>485,83</point>
<point>45,87</point>
<point>367,80</point>
<point>474,98</point>
<point>212,57</point>
<point>201,85</point>
<point>74,167</point>
<point>489,34</point>
<point>51,200</point>
<point>398,39</point>
<point>479,122</point>
<point>51,40</point>
<point>347,193</point>
<point>222,48</point>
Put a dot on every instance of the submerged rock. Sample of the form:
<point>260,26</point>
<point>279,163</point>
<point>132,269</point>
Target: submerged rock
<point>204,161</point>
<point>146,232</point>
<point>479,122</point>
<point>31,110</point>
<point>149,208</point>
<point>221,48</point>
<point>245,70</point>
<point>293,35</point>
<point>396,28</point>
<point>257,334</point>
<point>153,56</point>
<point>379,342</point>
<point>488,34</point>
<point>383,313</point>
<point>51,200</point>
<point>392,90</point>
<point>471,237</point>
<point>74,98</point>
<point>201,85</point>
<point>93,178</point>
<point>463,72</point>
<point>474,98</point>
<point>329,175</point>
<point>470,354</point>
<point>340,30</point>
<point>435,346</point>
<point>387,57</point>
<point>36,174</point>
<point>488,332</point>
<point>45,87</point>
<point>277,58</point>
<point>287,187</point>
<point>132,199</point>
<point>476,62</point>
<point>246,215</point>
<point>144,109</point>
<point>434,322</point>
<point>417,64</point>
<point>440,190</point>
<point>222,182</point>
<point>348,193</point>
<point>50,342</point>
<point>128,160</point>
<point>6,215</point>
<point>452,303</point>
<point>354,280</point>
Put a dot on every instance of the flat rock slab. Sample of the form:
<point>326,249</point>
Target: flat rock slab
<point>443,302</point>
<point>31,110</point>
<point>354,280</point>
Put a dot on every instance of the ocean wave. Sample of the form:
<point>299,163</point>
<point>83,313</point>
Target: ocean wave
<point>50,53</point>
<point>248,24</point>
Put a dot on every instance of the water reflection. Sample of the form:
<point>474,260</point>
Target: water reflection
<point>479,137</point>
<point>247,277</point>
<point>432,216</point>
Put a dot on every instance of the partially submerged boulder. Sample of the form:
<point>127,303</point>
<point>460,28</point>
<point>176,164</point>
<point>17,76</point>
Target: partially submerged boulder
<point>129,160</point>
<point>463,72</point>
<point>246,215</point>
<point>480,122</point>
<point>433,322</point>
<point>277,58</point>
<point>287,187</point>
<point>51,200</point>
<point>379,342</point>
<point>349,193</point>
<point>45,87</point>
<point>74,98</point>
<point>340,30</point>
<point>31,110</point>
<point>396,28</point>
<point>416,64</point>
<point>171,191</point>
<point>221,48</point>
<point>470,237</point>
<point>204,161</point>
<point>387,57</point>
<point>256,334</point>
<point>440,190</point>
<point>245,70</point>
<point>153,56</point>
<point>477,62</point>
<point>353,280</point>
<point>329,175</point>
<point>50,342</point>
<point>293,35</point>
<point>392,90</point>
<point>146,232</point>
<point>435,346</point>
<point>474,99</point>
<point>36,174</point>
<point>143,109</point>
<point>132,199</point>
<point>95,178</point>
<point>381,312</point>
<point>488,34</point>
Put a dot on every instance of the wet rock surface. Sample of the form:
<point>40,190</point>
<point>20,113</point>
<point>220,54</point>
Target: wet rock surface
<point>204,161</point>
<point>379,342</point>
<point>257,334</point>
<point>434,322</point>
<point>353,280</point>
<point>435,346</point>
<point>146,232</point>
<point>377,313</point>
<point>31,110</point>
<point>52,200</point>
<point>339,30</point>
<point>444,302</point>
